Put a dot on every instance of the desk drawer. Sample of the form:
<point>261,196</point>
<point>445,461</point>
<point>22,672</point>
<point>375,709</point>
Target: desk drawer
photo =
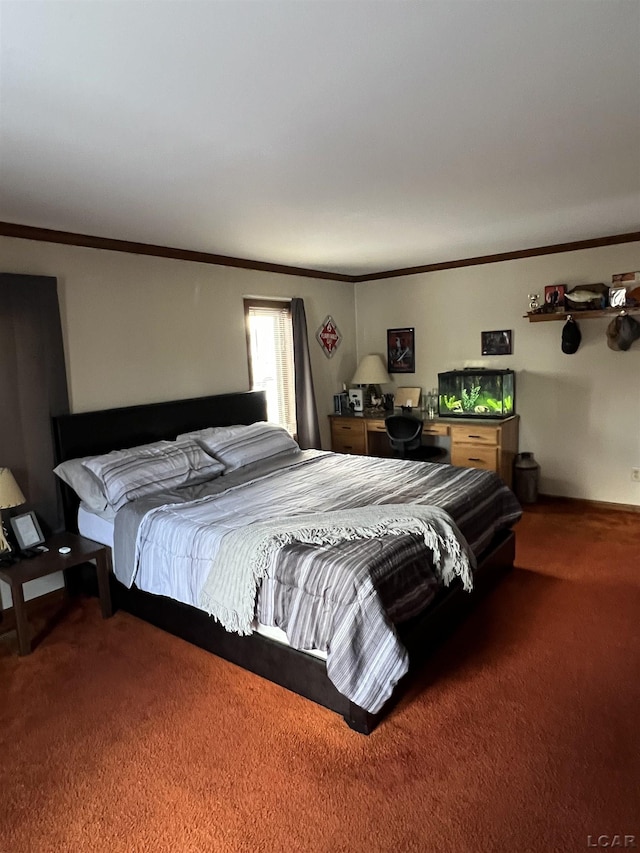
<point>349,427</point>
<point>348,436</point>
<point>475,435</point>
<point>475,456</point>
<point>346,443</point>
<point>429,428</point>
<point>432,428</point>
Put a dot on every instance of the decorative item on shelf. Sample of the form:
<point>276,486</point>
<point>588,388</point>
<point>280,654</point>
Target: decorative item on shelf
<point>618,297</point>
<point>10,497</point>
<point>371,373</point>
<point>633,297</point>
<point>554,296</point>
<point>587,297</point>
<point>534,305</point>
<point>571,336</point>
<point>626,278</point>
<point>401,356</point>
<point>526,475</point>
<point>630,281</point>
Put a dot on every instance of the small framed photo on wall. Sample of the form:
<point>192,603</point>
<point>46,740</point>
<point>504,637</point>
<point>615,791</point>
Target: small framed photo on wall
<point>496,343</point>
<point>401,354</point>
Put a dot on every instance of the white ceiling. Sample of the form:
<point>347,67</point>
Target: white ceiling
<point>344,136</point>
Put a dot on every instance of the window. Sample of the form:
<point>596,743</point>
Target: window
<point>270,350</point>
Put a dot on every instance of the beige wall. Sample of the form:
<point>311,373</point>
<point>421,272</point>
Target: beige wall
<point>580,414</point>
<point>141,329</point>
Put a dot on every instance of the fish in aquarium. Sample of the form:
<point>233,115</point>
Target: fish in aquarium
<point>478,393</point>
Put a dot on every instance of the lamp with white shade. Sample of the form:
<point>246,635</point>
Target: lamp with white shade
<point>10,496</point>
<point>372,373</point>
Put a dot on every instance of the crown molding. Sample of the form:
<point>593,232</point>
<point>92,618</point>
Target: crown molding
<point>68,238</point>
<point>575,246</point>
<point>48,235</point>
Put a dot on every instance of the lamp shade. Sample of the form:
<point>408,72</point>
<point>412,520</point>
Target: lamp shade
<point>10,492</point>
<point>371,371</point>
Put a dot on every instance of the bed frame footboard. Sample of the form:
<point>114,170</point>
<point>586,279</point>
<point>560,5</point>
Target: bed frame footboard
<point>305,674</point>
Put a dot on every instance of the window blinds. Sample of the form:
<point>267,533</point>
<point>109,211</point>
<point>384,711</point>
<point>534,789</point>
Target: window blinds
<point>270,345</point>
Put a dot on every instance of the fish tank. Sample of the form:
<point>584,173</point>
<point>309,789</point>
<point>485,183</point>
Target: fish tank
<point>476,392</point>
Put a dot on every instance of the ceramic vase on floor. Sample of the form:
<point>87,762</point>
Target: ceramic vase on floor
<point>526,476</point>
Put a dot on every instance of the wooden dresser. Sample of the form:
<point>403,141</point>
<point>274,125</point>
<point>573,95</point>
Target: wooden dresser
<point>488,444</point>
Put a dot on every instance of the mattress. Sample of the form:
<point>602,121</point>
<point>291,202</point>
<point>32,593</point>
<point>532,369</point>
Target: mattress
<point>95,527</point>
<point>100,529</point>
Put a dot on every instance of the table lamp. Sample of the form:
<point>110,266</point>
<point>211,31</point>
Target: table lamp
<point>10,496</point>
<point>372,373</point>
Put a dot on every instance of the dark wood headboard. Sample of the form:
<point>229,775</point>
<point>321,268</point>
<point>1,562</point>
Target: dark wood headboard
<point>90,433</point>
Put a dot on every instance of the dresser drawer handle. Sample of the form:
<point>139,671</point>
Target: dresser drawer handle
<point>474,436</point>
<point>474,459</point>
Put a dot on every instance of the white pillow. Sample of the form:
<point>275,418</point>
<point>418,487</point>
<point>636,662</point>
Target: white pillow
<point>240,445</point>
<point>125,475</point>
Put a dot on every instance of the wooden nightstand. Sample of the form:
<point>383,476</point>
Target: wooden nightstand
<point>28,569</point>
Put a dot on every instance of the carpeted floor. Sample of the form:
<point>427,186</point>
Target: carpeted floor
<point>522,734</point>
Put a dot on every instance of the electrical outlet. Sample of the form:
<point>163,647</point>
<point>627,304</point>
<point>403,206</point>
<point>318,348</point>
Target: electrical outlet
<point>635,475</point>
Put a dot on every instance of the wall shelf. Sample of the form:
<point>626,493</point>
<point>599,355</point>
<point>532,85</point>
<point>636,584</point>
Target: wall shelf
<point>579,315</point>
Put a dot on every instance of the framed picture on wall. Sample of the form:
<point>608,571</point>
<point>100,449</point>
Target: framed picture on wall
<point>401,354</point>
<point>496,343</point>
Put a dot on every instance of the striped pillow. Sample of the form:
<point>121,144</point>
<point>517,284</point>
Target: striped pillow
<point>83,483</point>
<point>237,446</point>
<point>135,472</point>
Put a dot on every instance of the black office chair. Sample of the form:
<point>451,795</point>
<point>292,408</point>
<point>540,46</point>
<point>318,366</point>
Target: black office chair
<point>405,438</point>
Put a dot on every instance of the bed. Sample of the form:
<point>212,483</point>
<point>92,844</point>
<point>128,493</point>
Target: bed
<point>262,651</point>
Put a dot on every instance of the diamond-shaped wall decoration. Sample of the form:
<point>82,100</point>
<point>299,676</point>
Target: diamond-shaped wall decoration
<point>328,336</point>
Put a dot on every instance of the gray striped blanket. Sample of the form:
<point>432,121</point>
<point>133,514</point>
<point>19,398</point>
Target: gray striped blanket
<point>374,585</point>
<point>183,540</point>
<point>247,554</point>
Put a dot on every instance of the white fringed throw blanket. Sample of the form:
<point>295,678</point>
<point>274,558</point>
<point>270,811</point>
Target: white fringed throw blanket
<point>246,555</point>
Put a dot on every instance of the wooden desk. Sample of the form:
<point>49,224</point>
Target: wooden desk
<point>490,444</point>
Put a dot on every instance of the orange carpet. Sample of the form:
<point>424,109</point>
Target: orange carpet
<point>522,734</point>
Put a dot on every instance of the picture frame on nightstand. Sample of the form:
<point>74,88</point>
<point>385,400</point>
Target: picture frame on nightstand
<point>27,530</point>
